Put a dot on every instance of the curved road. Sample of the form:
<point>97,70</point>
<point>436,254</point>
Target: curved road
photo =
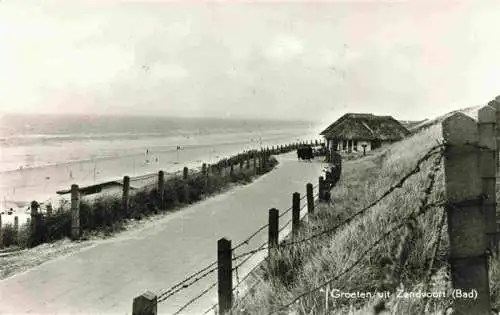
<point>104,278</point>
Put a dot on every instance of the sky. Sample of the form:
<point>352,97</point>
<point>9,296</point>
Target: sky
<point>279,60</point>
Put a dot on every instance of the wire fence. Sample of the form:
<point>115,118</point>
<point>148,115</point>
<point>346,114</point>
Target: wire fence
<point>194,278</point>
<point>249,254</point>
<point>402,239</point>
<point>335,228</point>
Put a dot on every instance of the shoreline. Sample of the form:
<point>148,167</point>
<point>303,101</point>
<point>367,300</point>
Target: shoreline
<point>194,141</point>
<point>42,183</point>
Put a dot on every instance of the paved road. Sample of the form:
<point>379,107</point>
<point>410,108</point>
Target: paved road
<point>105,278</point>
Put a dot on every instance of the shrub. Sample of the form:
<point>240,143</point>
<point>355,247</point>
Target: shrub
<point>57,226</point>
<point>9,235</point>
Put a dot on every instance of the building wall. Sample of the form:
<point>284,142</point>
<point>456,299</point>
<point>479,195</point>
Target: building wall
<point>355,145</point>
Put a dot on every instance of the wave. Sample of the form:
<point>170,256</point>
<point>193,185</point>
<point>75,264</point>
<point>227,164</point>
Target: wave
<point>157,149</point>
<point>24,140</point>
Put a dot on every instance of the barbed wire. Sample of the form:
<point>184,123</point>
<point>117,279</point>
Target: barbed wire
<point>393,275</point>
<point>413,216</point>
<point>362,211</point>
<point>284,226</point>
<point>247,240</point>
<point>285,212</point>
<point>435,251</point>
<point>235,288</point>
<point>195,298</point>
<point>213,307</point>
<point>182,285</point>
<point>415,170</point>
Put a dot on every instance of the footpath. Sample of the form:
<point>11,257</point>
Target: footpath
<point>104,278</point>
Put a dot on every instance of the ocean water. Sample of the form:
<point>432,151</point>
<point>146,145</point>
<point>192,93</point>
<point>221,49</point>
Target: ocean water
<point>34,141</point>
<point>40,154</point>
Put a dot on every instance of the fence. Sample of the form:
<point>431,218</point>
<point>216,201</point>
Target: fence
<point>469,157</point>
<point>147,303</point>
<point>160,192</point>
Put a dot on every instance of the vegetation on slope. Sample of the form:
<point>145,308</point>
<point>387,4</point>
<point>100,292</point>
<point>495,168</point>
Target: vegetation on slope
<point>400,262</point>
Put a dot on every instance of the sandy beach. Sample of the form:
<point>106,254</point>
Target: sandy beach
<point>19,187</point>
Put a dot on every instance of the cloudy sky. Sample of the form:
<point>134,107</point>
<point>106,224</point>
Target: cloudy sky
<point>296,60</point>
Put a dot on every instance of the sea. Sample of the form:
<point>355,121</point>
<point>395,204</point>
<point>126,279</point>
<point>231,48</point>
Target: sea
<point>41,154</point>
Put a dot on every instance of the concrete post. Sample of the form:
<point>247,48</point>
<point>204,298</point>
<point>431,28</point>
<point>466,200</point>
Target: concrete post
<point>466,223</point>
<point>487,140</point>
<point>145,304</point>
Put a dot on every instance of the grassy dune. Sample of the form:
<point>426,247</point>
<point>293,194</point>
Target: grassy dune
<point>398,263</point>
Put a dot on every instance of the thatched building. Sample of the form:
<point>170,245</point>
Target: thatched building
<point>356,132</point>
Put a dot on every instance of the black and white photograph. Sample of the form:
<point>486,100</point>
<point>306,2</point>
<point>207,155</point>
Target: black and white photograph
<point>239,157</point>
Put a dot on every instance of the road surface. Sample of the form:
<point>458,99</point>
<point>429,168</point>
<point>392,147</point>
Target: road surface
<point>104,278</point>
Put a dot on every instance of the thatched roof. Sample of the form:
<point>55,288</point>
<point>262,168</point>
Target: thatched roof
<point>366,127</point>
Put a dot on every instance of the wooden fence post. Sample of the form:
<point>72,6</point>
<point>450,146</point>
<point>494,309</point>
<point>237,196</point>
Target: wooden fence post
<point>295,213</point>
<point>310,199</point>
<point>225,275</point>
<point>16,229</point>
<point>125,195</point>
<point>487,141</point>
<point>185,176</point>
<point>35,236</point>
<point>145,304</point>
<point>34,211</point>
<point>273,231</point>
<point>75,212</point>
<point>466,224</point>
<point>321,188</point>
<point>161,189</point>
<point>204,172</point>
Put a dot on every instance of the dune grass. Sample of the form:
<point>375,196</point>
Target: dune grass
<point>294,271</point>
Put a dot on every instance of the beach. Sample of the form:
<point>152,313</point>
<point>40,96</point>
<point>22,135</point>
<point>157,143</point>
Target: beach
<point>53,163</point>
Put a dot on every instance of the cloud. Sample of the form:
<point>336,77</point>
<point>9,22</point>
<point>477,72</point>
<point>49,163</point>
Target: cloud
<point>166,72</point>
<point>284,48</point>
